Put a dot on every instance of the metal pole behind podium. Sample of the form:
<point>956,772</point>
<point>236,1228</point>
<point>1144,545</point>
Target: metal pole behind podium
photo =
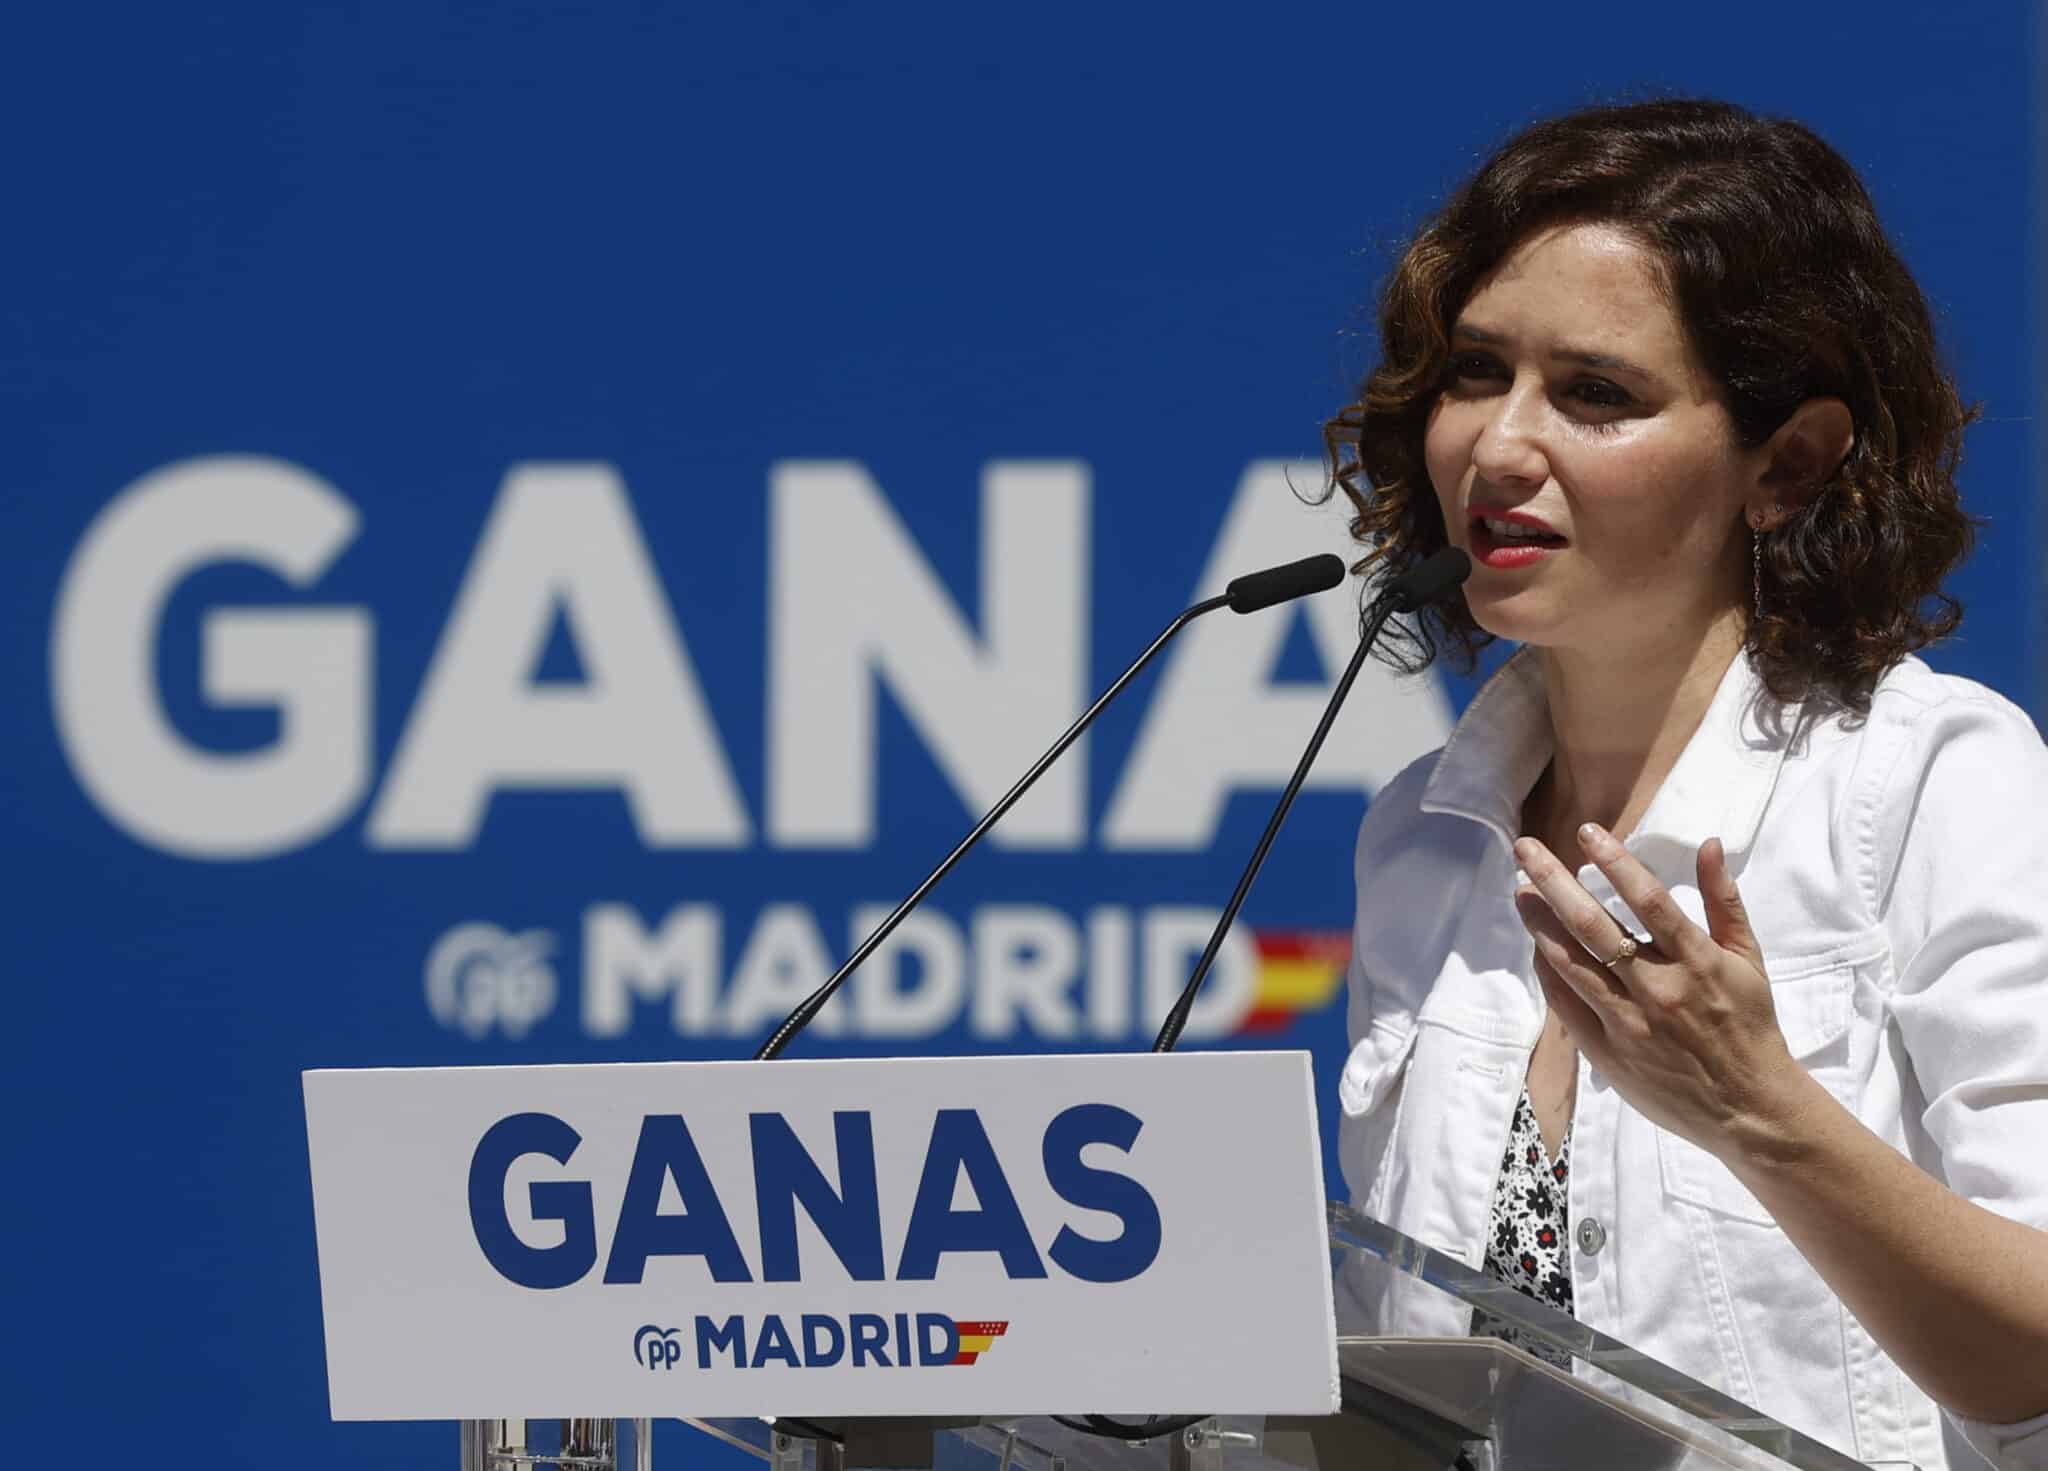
<point>587,1445</point>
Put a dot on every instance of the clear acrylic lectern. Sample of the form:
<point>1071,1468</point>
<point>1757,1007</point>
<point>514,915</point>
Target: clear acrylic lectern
<point>1409,1404</point>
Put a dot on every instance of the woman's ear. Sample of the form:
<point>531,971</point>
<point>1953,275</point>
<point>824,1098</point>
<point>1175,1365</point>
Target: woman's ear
<point>1800,458</point>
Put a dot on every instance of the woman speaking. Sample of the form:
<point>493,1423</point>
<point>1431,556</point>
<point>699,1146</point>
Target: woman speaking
<point>1700,982</point>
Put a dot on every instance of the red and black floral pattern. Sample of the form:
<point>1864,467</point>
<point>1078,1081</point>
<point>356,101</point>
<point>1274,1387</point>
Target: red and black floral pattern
<point>1526,1247</point>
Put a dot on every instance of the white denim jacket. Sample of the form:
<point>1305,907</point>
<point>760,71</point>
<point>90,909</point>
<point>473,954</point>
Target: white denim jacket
<point>1896,872</point>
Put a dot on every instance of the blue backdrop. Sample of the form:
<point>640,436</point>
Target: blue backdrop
<point>520,524</point>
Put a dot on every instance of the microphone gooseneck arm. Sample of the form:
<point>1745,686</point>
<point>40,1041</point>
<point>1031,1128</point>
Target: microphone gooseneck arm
<point>1420,585</point>
<point>1245,594</point>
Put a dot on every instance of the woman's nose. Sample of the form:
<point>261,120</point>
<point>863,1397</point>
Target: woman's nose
<point>1509,447</point>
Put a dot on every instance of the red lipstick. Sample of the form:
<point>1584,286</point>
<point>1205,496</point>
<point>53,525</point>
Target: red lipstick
<point>1494,549</point>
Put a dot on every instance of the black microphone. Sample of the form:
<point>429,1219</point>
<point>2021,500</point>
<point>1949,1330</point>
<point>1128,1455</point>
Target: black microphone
<point>1247,594</point>
<point>1418,587</point>
<point>1256,590</point>
<point>1425,582</point>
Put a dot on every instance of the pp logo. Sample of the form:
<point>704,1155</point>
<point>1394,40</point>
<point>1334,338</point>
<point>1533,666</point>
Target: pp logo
<point>657,1348</point>
<point>479,976</point>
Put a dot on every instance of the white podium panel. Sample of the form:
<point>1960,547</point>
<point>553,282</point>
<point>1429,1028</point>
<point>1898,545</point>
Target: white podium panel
<point>931,1236</point>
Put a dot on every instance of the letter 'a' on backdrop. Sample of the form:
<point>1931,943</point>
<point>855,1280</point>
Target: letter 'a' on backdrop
<point>1138,1234</point>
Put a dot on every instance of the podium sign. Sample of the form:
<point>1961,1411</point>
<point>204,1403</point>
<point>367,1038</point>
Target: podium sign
<point>932,1236</point>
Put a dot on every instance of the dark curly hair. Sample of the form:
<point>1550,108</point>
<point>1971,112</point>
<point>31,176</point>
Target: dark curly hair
<point>1775,263</point>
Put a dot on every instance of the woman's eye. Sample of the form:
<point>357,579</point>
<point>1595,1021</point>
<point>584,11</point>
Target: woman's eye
<point>1602,394</point>
<point>1473,365</point>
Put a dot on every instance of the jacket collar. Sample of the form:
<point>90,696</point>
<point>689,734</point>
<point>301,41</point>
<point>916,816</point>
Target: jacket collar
<point>1718,788</point>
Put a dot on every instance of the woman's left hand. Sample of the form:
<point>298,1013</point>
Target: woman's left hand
<point>1684,1028</point>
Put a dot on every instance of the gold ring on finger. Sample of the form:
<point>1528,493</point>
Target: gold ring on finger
<point>1626,952</point>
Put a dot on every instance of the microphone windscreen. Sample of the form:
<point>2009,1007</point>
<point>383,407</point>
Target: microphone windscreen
<point>1428,580</point>
<point>1256,590</point>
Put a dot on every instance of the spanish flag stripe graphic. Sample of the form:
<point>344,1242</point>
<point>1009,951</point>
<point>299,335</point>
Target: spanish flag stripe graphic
<point>1332,947</point>
<point>977,1336</point>
<point>1299,971</point>
<point>1298,983</point>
